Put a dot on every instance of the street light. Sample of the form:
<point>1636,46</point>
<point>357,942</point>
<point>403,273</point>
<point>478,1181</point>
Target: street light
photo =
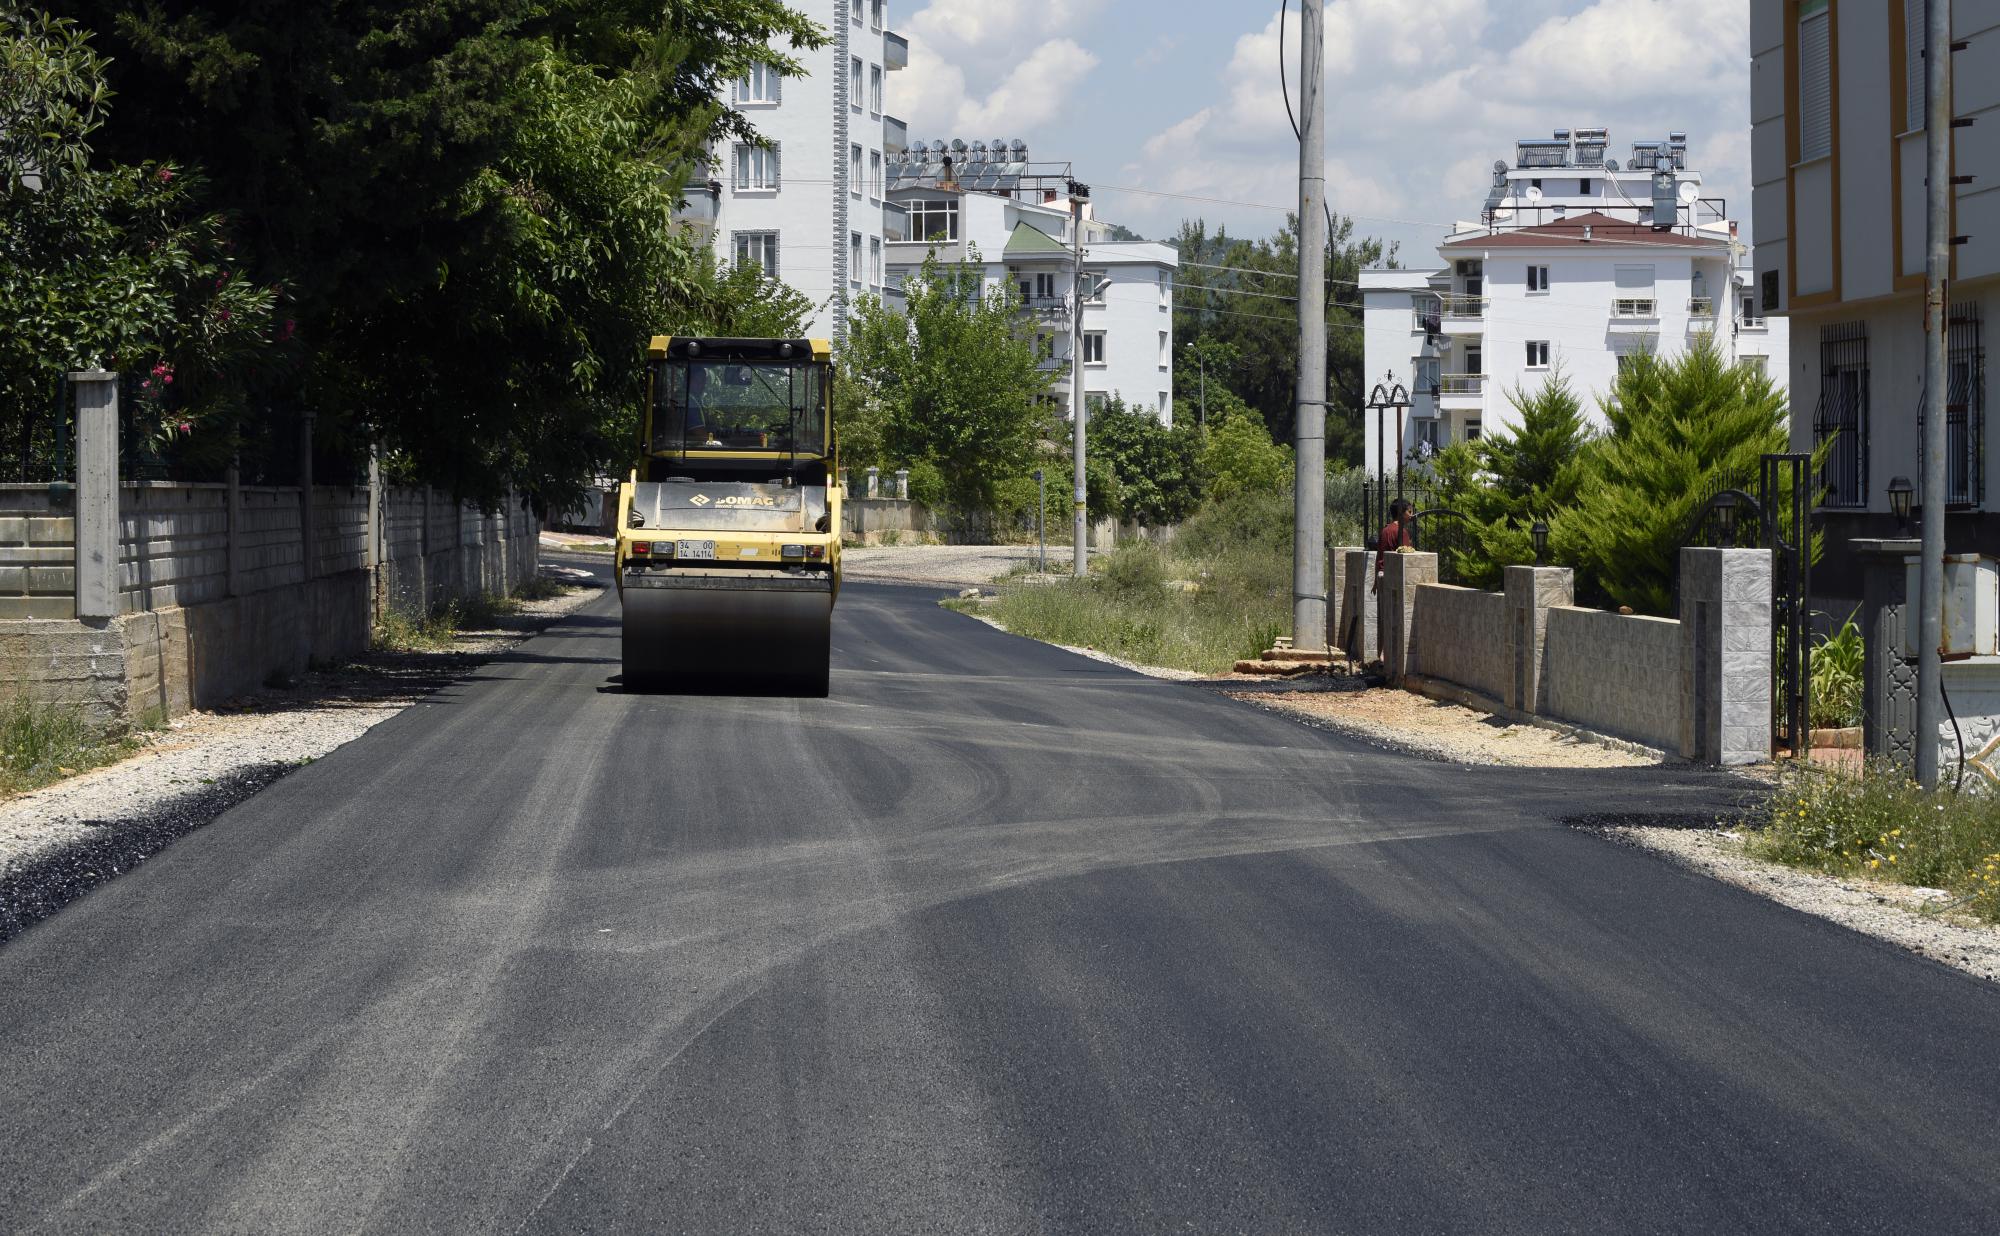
<point>1900,493</point>
<point>1541,534</point>
<point>1725,516</point>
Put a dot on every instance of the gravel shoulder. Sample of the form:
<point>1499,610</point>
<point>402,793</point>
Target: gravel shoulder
<point>1911,918</point>
<point>59,841</point>
<point>948,566</point>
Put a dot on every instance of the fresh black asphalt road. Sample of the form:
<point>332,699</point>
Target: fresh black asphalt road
<point>996,939</point>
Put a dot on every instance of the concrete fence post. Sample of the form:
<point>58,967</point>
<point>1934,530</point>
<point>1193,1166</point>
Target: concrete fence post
<point>96,493</point>
<point>1531,591</point>
<point>1726,655</point>
<point>1360,620</point>
<point>874,475</point>
<point>373,555</point>
<point>233,517</point>
<point>308,515</point>
<point>1336,607</point>
<point>1398,605</point>
<point>903,483</point>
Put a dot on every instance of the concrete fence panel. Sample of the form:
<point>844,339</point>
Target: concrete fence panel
<point>1460,636</point>
<point>1617,674</point>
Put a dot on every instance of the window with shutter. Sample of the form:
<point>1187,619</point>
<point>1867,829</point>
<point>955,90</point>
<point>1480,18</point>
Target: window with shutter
<point>1815,82</point>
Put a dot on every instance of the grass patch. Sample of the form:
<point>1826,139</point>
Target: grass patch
<point>1885,826</point>
<point>1220,592</point>
<point>42,743</point>
<point>399,630</point>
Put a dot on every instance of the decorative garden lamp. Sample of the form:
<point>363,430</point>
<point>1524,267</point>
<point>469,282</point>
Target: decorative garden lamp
<point>1725,517</point>
<point>1900,493</point>
<point>1541,534</point>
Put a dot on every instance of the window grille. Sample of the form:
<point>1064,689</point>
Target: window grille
<point>1842,416</point>
<point>1964,411</point>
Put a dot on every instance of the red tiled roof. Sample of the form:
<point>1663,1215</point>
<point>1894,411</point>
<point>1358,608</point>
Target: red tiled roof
<point>1570,232</point>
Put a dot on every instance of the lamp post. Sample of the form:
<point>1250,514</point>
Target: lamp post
<point>1041,510</point>
<point>1725,517</point>
<point>1540,532</point>
<point>1388,395</point>
<point>1900,493</point>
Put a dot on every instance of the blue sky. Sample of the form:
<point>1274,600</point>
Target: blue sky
<point>1181,96</point>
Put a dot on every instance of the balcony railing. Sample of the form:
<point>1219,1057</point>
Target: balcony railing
<point>1459,305</point>
<point>1462,384</point>
<point>1701,306</point>
<point>895,223</point>
<point>700,201</point>
<point>895,51</point>
<point>1046,304</point>
<point>1635,307</point>
<point>895,135</point>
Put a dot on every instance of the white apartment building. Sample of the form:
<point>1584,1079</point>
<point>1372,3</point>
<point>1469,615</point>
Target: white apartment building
<point>957,199</point>
<point>1574,264</point>
<point>1838,142</point>
<point>808,208</point>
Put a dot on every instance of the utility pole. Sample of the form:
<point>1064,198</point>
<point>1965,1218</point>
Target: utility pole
<point>1937,300</point>
<point>1309,514</point>
<point>1078,195</point>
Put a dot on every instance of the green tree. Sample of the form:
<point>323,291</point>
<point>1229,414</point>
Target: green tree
<point>103,264</point>
<point>1239,457</point>
<point>1679,429</point>
<point>1154,469</point>
<point>1503,483</point>
<point>953,378</point>
<point>1224,291</point>
<point>470,198</point>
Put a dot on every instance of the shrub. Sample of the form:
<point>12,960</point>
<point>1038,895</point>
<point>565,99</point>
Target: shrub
<point>42,742</point>
<point>1885,825</point>
<point>1836,677</point>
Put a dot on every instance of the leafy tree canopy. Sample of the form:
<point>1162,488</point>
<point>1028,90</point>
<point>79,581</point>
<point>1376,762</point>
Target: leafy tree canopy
<point>952,378</point>
<point>1154,469</point>
<point>468,200</point>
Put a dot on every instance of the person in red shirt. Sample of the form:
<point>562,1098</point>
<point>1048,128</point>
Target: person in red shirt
<point>1394,536</point>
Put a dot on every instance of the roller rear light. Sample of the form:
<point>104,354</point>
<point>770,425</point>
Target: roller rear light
<point>642,547</point>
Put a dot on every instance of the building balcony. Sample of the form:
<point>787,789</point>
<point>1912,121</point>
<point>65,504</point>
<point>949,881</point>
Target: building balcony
<point>701,201</point>
<point>1462,390</point>
<point>1635,308</point>
<point>1052,306</point>
<point>1461,307</point>
<point>895,135</point>
<point>1701,307</point>
<point>895,51</point>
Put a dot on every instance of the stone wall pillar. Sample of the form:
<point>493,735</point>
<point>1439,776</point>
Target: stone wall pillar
<point>1726,655</point>
<point>903,483</point>
<point>874,476</point>
<point>1397,603</point>
<point>1360,622</point>
<point>1531,591</point>
<point>1336,603</point>
<point>97,493</point>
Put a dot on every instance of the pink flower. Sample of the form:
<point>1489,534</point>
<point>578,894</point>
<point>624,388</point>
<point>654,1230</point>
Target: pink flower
<point>165,175</point>
<point>222,315</point>
<point>186,428</point>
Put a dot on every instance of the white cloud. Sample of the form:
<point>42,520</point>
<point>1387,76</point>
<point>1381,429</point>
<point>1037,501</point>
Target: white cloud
<point>984,67</point>
<point>1422,98</point>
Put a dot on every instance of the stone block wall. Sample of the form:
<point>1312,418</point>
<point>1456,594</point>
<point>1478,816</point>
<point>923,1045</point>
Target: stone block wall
<point>1699,688</point>
<point>213,592</point>
<point>1460,635</point>
<point>1357,622</point>
<point>1617,674</point>
<point>37,554</point>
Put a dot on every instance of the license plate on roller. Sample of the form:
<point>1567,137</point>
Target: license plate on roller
<point>694,549</point>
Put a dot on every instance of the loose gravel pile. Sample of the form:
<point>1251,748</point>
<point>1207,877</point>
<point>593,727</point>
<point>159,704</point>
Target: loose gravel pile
<point>58,842</point>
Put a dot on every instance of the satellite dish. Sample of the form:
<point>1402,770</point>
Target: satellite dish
<point>1611,165</point>
<point>1533,194</point>
<point>1502,212</point>
<point>1689,192</point>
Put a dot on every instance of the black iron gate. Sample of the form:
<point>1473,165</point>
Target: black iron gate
<point>1444,533</point>
<point>1774,511</point>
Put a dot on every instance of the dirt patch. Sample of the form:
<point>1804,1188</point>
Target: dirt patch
<point>1426,726</point>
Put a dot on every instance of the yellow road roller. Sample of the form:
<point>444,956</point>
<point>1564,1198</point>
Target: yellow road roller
<point>729,528</point>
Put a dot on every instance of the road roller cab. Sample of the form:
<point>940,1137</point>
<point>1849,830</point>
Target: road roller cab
<point>728,556</point>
